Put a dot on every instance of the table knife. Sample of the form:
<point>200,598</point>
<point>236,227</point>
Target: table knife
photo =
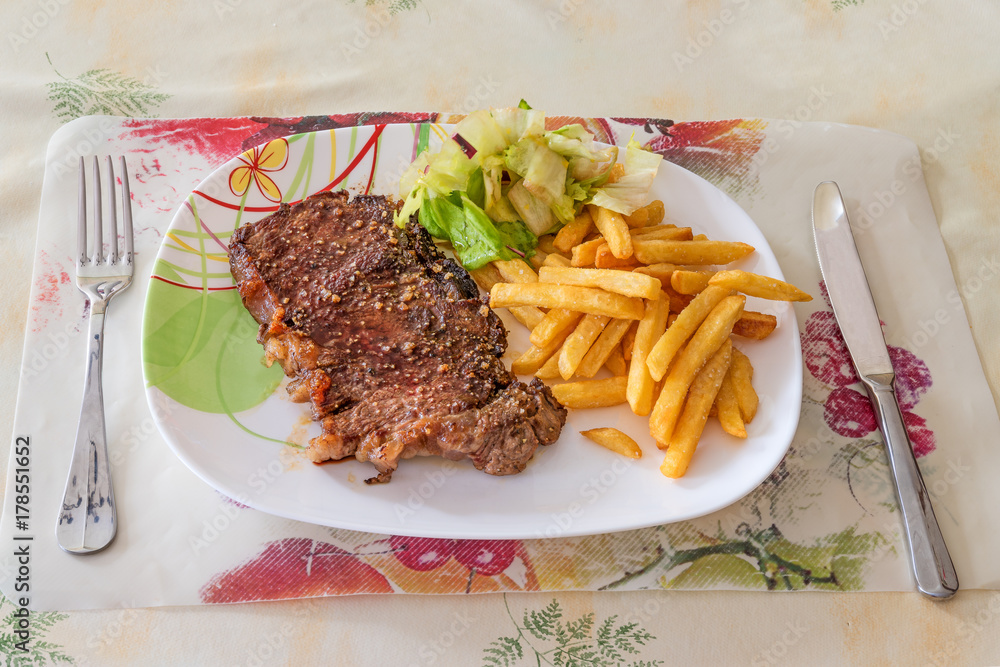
<point>854,309</point>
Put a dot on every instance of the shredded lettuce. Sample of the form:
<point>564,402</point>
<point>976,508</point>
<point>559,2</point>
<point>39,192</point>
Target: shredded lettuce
<point>631,190</point>
<point>502,180</point>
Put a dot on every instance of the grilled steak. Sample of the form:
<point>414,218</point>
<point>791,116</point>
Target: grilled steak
<point>386,338</point>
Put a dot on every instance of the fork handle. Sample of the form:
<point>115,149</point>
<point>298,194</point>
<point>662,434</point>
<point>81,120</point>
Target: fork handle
<point>87,519</point>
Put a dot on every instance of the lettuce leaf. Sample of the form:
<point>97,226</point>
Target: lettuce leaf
<point>631,190</point>
<point>476,239</point>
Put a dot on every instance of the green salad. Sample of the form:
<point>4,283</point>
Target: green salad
<point>502,180</point>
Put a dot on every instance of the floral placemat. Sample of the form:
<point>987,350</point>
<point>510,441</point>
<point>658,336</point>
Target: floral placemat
<point>824,520</point>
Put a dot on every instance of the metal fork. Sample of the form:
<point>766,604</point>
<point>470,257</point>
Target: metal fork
<point>87,519</point>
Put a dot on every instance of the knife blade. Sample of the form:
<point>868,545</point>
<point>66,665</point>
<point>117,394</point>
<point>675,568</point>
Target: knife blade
<point>855,312</point>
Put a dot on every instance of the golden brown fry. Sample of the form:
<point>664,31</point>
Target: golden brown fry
<point>605,259</point>
<point>614,230</point>
<point>615,440</point>
<point>573,232</point>
<point>603,347</point>
<point>616,172</point>
<point>546,243</point>
<point>554,259</point>
<point>579,343</point>
<point>591,393</point>
<point>550,369</point>
<point>690,252</point>
<point>486,277</point>
<point>529,316</point>
<point>711,335</point>
<point>555,322</point>
<point>690,282</point>
<point>745,394</point>
<point>662,233</point>
<point>584,253</point>
<point>532,360</point>
<point>628,341</point>
<point>616,362</point>
<point>661,272</point>
<point>581,299</point>
<point>647,216</point>
<point>640,383</point>
<point>515,271</point>
<point>537,260</point>
<point>638,232</point>
<point>704,389</point>
<point>729,408</point>
<point>753,284</point>
<point>682,329</point>
<point>757,326</point>
<point>619,282</point>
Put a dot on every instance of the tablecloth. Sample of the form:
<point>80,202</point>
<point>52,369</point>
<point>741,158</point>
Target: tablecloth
<point>866,63</point>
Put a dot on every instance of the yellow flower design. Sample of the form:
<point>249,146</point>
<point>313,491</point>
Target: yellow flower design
<point>272,156</point>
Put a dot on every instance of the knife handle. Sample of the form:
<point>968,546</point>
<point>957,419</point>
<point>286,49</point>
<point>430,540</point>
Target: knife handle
<point>932,565</point>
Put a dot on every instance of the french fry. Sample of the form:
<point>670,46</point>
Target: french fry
<point>678,302</point>
<point>531,361</point>
<point>591,393</point>
<point>757,326</point>
<point>646,216</point>
<point>573,232</point>
<point>550,369</point>
<point>640,383</point>
<point>709,337</point>
<point>554,259</point>
<point>585,253</point>
<point>616,362</point>
<point>745,395</point>
<point>605,259</point>
<point>662,233</point>
<point>555,322</point>
<point>515,271</point>
<point>614,230</point>
<point>603,347</point>
<point>617,171</point>
<point>615,440</point>
<point>529,316</point>
<point>682,329</point>
<point>690,282</point>
<point>728,407</point>
<point>691,423</point>
<point>753,284</point>
<point>546,243</point>
<point>486,277</point>
<point>579,343</point>
<point>639,231</point>
<point>661,272</point>
<point>619,282</point>
<point>582,299</point>
<point>628,341</point>
<point>690,252</point>
<point>538,259</point>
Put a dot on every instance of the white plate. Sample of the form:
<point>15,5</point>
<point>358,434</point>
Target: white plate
<point>225,416</point>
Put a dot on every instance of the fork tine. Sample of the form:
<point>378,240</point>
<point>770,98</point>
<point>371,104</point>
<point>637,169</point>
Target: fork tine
<point>81,231</point>
<point>126,211</point>
<point>113,216</point>
<point>98,216</point>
